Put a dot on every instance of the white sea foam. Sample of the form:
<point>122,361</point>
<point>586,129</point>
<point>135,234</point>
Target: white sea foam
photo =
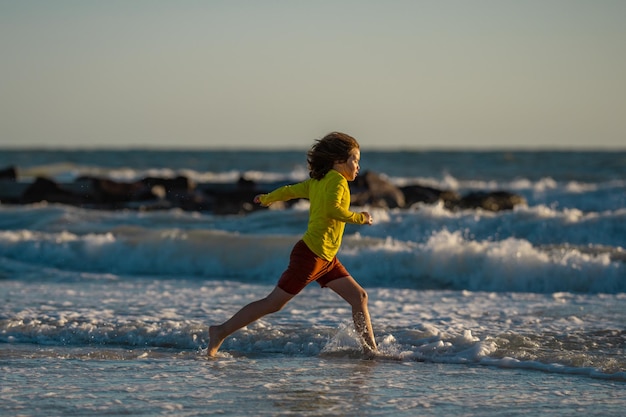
<point>445,260</point>
<point>504,330</point>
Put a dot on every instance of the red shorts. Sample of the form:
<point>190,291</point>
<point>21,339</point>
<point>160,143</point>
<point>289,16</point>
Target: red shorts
<point>306,267</point>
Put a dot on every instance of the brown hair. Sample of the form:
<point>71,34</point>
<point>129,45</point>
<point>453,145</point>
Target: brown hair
<point>334,147</point>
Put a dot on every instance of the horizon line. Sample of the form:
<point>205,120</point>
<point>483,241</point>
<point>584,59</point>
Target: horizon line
<point>69,148</point>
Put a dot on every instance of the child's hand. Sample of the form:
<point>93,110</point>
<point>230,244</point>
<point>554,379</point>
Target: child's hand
<point>368,218</point>
<point>257,199</point>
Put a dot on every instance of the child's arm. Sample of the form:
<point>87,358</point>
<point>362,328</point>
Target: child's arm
<point>285,193</point>
<point>338,211</point>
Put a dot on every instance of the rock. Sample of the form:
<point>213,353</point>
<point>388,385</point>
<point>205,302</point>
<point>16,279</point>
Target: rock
<point>428,195</point>
<point>491,201</point>
<point>10,190</point>
<point>44,189</point>
<point>173,186</point>
<point>374,190</point>
<point>233,202</point>
<point>8,174</point>
<point>154,193</point>
<point>179,191</point>
<point>237,199</point>
<point>112,192</point>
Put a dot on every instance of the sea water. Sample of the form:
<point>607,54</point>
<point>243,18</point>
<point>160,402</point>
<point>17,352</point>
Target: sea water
<point>475,313</point>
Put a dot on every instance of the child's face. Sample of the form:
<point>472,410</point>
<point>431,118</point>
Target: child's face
<point>350,168</point>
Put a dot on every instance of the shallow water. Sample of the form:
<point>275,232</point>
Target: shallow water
<point>71,381</point>
<point>476,313</point>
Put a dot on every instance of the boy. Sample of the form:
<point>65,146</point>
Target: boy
<point>333,161</point>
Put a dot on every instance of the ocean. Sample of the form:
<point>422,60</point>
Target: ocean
<point>106,312</point>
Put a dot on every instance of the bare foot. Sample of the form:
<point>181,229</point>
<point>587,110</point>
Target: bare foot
<point>369,352</point>
<point>215,341</point>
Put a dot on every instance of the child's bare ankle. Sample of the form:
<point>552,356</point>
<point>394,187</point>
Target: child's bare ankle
<point>215,340</point>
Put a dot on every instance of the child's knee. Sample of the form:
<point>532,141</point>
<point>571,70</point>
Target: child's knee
<point>364,296</point>
<point>359,298</point>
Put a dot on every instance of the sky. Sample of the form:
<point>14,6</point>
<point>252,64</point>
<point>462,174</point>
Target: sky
<point>470,74</point>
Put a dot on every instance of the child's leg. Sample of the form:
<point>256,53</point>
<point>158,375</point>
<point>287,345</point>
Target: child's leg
<point>356,296</point>
<point>275,301</point>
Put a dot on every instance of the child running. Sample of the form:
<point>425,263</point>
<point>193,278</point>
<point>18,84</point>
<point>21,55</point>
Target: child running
<point>333,161</point>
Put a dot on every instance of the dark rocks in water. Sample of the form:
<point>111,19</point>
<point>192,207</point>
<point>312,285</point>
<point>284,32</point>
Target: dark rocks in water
<point>173,187</point>
<point>10,190</point>
<point>491,201</point>
<point>8,174</point>
<point>233,202</point>
<point>234,199</point>
<point>153,193</point>
<point>375,190</point>
<point>414,194</point>
<point>43,189</point>
<point>107,191</point>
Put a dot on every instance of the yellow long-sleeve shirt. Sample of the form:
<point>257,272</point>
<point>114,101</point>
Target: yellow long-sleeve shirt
<point>328,214</point>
